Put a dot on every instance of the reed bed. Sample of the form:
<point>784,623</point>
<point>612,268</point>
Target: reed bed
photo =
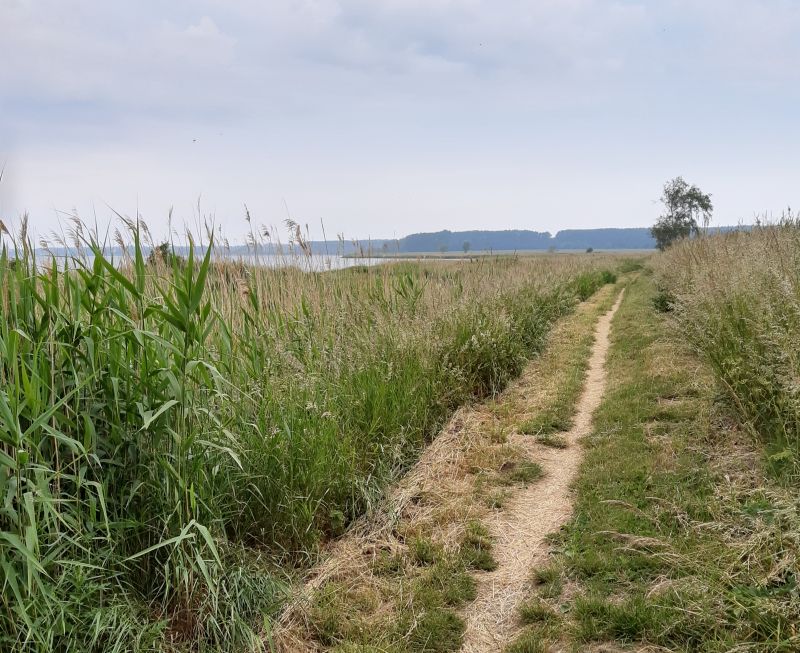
<point>177,434</point>
<point>737,297</point>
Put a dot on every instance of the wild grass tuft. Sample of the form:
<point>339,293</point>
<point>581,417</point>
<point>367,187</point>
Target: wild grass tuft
<point>736,296</point>
<point>552,440</point>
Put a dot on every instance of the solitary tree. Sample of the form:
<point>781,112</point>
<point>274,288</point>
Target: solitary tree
<point>466,246</point>
<point>684,205</point>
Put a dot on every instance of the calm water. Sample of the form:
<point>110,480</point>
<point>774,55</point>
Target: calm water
<point>314,263</point>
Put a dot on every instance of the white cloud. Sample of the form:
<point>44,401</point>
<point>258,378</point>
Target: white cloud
<point>305,98</point>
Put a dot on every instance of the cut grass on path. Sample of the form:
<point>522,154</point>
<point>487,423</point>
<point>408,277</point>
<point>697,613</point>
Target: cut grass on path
<point>678,538</point>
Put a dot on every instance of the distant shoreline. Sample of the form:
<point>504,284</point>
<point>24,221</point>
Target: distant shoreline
<point>488,253</point>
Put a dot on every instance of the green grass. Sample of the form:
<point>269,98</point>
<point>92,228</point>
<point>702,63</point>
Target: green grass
<point>171,431</point>
<point>446,584</point>
<point>673,542</point>
<point>424,614</point>
<point>530,641</point>
<point>519,471</point>
<point>437,631</point>
<point>423,552</point>
<point>476,548</point>
<point>425,619</point>
<point>535,611</point>
<point>542,627</point>
<point>555,420</point>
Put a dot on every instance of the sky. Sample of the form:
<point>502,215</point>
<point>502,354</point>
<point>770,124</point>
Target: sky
<point>378,118</point>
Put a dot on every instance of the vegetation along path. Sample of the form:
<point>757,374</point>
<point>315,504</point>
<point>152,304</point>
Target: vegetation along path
<point>444,561</point>
<point>629,492</point>
<point>520,530</point>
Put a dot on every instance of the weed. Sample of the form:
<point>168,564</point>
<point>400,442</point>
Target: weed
<point>476,548</point>
<point>437,631</point>
<point>663,301</point>
<point>552,440</point>
<point>736,297</point>
<point>523,471</point>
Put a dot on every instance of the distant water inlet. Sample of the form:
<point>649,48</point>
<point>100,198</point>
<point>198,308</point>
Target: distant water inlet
<point>310,263</point>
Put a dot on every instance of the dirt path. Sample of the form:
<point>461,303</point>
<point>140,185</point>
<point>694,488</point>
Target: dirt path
<point>520,529</point>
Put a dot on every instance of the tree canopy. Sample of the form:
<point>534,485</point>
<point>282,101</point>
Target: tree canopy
<point>684,206</point>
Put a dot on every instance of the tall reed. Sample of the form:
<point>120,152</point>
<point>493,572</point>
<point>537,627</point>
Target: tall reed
<point>172,430</point>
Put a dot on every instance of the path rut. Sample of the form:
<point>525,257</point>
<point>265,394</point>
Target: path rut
<point>520,529</point>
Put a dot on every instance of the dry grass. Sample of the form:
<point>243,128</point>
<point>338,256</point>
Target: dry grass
<point>737,298</point>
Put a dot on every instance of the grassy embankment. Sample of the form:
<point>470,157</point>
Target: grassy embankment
<point>169,432</point>
<point>686,528</point>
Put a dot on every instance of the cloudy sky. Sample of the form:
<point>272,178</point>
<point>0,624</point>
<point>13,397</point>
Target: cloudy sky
<point>383,117</point>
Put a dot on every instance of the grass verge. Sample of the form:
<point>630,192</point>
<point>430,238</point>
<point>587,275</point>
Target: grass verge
<point>678,539</point>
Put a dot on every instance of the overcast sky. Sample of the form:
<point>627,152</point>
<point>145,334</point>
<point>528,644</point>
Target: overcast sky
<point>384,117</point>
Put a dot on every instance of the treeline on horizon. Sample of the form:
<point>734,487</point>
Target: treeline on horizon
<point>445,241</point>
<point>522,240</point>
<point>493,240</point>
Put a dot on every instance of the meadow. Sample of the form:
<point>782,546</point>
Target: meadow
<point>178,435</point>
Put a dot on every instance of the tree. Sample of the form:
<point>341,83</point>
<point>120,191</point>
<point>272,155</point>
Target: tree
<point>589,250</point>
<point>465,246</point>
<point>684,205</point>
